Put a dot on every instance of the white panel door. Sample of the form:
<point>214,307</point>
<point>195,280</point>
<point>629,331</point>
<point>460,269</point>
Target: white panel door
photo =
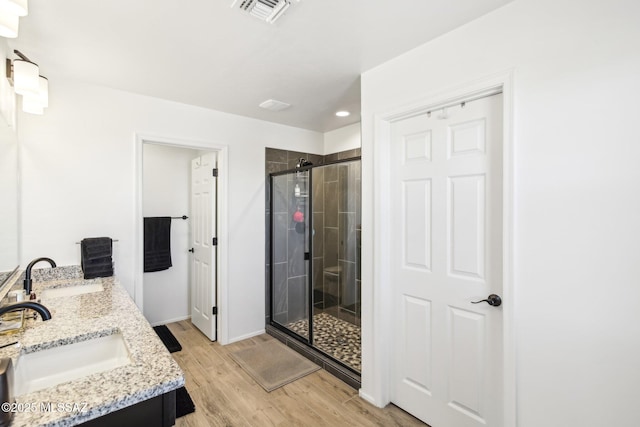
<point>446,183</point>
<point>203,231</point>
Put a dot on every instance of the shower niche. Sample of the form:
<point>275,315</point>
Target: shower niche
<point>315,257</point>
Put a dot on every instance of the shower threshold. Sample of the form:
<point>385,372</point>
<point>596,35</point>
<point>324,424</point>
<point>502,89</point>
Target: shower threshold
<point>337,338</point>
<point>318,356</point>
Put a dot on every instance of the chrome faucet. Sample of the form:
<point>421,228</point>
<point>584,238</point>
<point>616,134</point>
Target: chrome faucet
<point>27,273</point>
<point>41,309</point>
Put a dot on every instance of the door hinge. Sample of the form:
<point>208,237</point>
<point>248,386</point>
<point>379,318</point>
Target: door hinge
<point>215,172</point>
<point>214,241</point>
<point>214,310</point>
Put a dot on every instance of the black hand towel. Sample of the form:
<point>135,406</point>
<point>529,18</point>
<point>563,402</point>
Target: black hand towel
<point>157,243</point>
<point>95,257</point>
<point>96,247</point>
<point>103,272</point>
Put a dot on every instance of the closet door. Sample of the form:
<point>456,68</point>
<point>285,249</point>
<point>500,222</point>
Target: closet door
<point>447,255</point>
<point>203,242</point>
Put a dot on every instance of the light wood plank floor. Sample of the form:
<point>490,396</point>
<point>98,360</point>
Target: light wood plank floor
<point>225,395</point>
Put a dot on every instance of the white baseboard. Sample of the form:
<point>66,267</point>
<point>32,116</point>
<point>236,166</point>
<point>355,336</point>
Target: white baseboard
<point>368,398</point>
<point>164,322</point>
<point>246,336</point>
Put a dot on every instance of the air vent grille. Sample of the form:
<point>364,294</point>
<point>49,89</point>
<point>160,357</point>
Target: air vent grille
<point>265,10</point>
<point>274,105</point>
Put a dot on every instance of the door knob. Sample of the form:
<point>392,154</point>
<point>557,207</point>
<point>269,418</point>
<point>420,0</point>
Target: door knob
<point>492,299</point>
<point>191,250</point>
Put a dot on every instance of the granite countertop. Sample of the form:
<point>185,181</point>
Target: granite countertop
<point>152,370</point>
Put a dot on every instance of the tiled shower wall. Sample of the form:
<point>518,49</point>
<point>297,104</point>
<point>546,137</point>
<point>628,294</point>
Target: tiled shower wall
<point>337,191</point>
<point>336,268</point>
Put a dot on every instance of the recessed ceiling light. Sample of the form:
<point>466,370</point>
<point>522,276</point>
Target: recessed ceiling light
<point>342,113</point>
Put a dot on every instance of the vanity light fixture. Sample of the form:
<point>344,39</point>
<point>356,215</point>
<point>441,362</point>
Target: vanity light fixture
<point>25,77</point>
<point>43,93</point>
<point>31,105</point>
<point>8,24</point>
<point>35,104</point>
<point>10,12</point>
<point>16,7</point>
<point>343,113</point>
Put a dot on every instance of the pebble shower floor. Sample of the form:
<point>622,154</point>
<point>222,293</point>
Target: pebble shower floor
<point>339,339</point>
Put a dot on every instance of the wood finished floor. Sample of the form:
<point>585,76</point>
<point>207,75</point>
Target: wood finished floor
<point>225,395</point>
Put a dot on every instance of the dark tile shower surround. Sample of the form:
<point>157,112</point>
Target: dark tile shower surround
<point>333,217</point>
<point>336,218</point>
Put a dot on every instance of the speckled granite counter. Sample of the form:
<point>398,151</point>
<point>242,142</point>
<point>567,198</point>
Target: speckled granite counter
<point>152,371</point>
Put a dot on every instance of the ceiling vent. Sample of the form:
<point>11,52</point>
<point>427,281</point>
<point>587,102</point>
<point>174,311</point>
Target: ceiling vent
<point>273,105</point>
<point>265,10</point>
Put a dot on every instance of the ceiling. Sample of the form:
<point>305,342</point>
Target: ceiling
<point>204,53</point>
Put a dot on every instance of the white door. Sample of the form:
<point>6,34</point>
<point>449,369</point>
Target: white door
<point>203,232</point>
<point>446,183</point>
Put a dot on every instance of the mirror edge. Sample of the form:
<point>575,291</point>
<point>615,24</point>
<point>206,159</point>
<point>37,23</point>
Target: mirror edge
<point>9,281</point>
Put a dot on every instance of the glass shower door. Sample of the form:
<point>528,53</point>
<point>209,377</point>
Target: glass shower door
<point>315,257</point>
<point>290,251</point>
<point>336,261</point>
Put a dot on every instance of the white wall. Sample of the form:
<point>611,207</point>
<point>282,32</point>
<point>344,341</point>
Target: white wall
<point>78,171</point>
<point>577,199</point>
<point>342,139</point>
<point>166,192</point>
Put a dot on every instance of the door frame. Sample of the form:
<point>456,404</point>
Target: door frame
<point>222,218</point>
<point>378,318</point>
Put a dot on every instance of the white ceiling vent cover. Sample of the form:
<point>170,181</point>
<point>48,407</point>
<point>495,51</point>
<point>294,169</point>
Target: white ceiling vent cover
<point>265,10</point>
<point>273,105</point>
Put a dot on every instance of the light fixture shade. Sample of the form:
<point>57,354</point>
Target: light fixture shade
<point>15,7</point>
<point>43,95</point>
<point>31,105</point>
<point>8,23</point>
<point>35,104</point>
<point>26,78</point>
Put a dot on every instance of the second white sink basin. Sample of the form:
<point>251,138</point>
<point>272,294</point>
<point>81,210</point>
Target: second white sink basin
<point>67,291</point>
<point>53,366</point>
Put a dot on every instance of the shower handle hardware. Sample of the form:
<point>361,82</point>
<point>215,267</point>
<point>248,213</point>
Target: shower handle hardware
<point>492,299</point>
<point>192,250</point>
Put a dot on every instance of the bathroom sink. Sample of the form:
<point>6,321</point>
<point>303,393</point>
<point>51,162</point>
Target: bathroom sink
<point>53,366</point>
<point>67,291</point>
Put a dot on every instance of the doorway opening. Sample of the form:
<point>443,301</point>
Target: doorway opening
<point>172,183</point>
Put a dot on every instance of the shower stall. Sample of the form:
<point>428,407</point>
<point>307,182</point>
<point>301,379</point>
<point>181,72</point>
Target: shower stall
<point>315,257</point>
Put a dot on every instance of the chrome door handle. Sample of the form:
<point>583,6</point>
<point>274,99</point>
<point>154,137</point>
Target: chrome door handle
<point>492,299</point>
